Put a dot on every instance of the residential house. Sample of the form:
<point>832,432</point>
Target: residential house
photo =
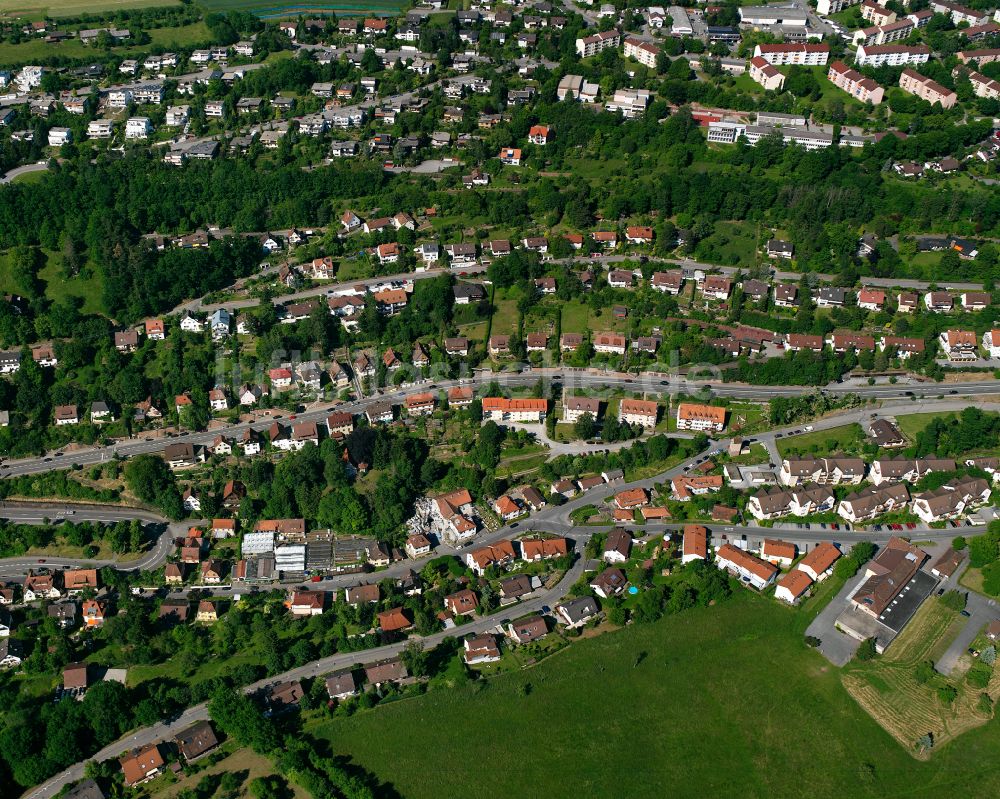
<point>792,587</point>
<point>818,563</point>
<point>575,613</point>
<point>691,416</point>
<point>480,649</point>
<point>526,630</point>
<point>749,569</point>
<point>141,765</point>
<point>618,545</point>
<point>196,741</point>
<point>610,582</point>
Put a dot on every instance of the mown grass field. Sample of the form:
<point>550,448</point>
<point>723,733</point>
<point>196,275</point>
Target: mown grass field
<point>912,423</point>
<point>887,687</point>
<point>821,442</point>
<point>721,701</point>
<point>72,8</point>
<point>579,317</point>
<point>36,49</point>
<point>275,9</point>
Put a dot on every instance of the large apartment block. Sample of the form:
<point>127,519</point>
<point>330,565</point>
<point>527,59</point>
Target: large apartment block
<point>875,14</point>
<point>765,74</point>
<point>810,55</point>
<point>987,56</point>
<point>984,87</point>
<point>643,52</point>
<point>885,34</point>
<point>827,7</point>
<point>854,83</point>
<point>892,55</point>
<point>592,45</point>
<point>926,89</point>
<point>960,13</point>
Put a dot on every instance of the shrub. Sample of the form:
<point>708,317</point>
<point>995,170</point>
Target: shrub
<point>979,675</point>
<point>947,693</point>
<point>866,651</point>
<point>954,600</point>
<point>924,672</point>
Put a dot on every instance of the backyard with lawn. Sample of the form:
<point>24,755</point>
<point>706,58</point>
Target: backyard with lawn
<point>846,439</point>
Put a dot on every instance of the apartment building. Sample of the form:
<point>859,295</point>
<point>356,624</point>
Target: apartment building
<point>892,55</point>
<point>875,14</point>
<point>766,75</point>
<point>827,7</point>
<point>984,87</point>
<point>640,412</point>
<point>885,34</point>
<point>960,345</point>
<point>691,416</point>
<point>854,83</point>
<point>786,53</point>
<point>926,89</point>
<point>501,409</point>
<point>592,45</point>
<point>960,13</point>
<point>643,52</point>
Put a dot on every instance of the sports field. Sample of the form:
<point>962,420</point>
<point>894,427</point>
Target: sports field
<point>275,9</point>
<point>71,8</point>
<point>721,701</point>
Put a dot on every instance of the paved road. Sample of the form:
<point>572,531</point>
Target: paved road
<point>39,512</point>
<point>982,610</point>
<point>685,263</point>
<point>166,730</point>
<point>837,647</point>
<point>583,380</point>
<point>24,170</point>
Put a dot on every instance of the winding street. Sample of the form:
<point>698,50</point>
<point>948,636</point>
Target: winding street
<point>27,169</point>
<point>56,512</point>
<point>168,729</point>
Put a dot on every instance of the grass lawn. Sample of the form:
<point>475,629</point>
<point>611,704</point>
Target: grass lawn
<point>745,417</point>
<point>888,689</point>
<point>912,423</point>
<point>579,317</point>
<point>88,289</point>
<point>720,701</point>
<point>825,442</point>
<point>244,763</point>
<point>972,578</point>
<point>732,243</point>
<point>354,269</point>
<point>56,286</point>
<point>29,177</point>
<point>505,318</point>
<point>269,9</point>
<point>36,49</point>
<point>72,8</point>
